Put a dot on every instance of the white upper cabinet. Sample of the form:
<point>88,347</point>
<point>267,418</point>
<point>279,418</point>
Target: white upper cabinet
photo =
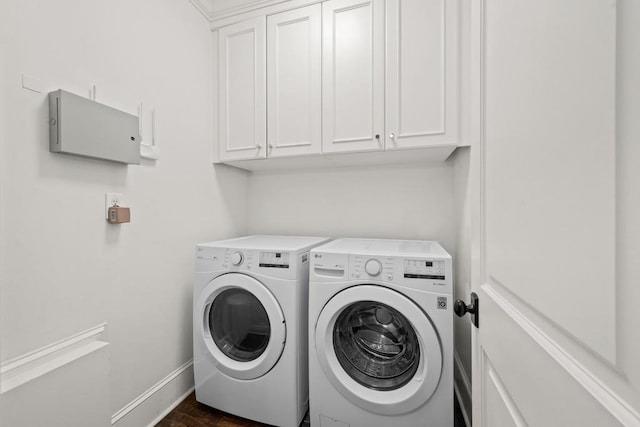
<point>242,90</point>
<point>340,76</point>
<point>421,73</point>
<point>294,85</point>
<point>353,75</point>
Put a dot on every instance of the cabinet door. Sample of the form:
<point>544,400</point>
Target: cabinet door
<point>294,84</point>
<point>421,73</point>
<point>353,75</point>
<point>242,90</point>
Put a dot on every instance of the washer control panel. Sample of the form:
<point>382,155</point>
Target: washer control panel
<point>431,273</point>
<point>370,266</point>
<point>424,269</point>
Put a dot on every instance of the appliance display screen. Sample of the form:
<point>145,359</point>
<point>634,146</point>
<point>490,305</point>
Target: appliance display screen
<point>274,259</point>
<point>421,269</point>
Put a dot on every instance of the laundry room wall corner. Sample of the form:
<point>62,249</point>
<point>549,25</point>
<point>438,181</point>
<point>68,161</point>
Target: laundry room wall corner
<point>462,278</point>
<point>64,268</point>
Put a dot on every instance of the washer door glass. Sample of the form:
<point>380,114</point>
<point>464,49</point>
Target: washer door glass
<point>376,345</point>
<point>378,348</point>
<point>239,325</point>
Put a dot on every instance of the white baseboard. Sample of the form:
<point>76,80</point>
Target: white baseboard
<point>172,407</point>
<point>462,389</point>
<point>151,406</point>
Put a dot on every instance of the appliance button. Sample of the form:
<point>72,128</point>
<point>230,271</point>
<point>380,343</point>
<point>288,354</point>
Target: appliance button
<point>373,267</point>
<point>236,258</point>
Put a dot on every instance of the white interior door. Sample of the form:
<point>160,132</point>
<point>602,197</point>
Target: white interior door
<point>557,166</point>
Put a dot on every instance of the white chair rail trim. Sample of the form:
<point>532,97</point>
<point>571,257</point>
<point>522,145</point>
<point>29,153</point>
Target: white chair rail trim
<point>29,366</point>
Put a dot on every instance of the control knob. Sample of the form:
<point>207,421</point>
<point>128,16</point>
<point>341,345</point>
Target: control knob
<point>236,258</point>
<point>373,267</point>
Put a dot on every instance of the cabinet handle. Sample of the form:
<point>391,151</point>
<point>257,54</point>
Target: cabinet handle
<point>270,146</point>
<point>392,135</point>
<point>258,146</point>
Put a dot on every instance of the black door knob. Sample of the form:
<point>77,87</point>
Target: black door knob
<point>461,308</point>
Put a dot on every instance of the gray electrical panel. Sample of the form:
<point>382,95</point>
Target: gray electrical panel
<point>86,128</point>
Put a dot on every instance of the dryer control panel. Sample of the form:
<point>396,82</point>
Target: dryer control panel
<point>274,259</point>
<point>271,263</point>
<point>424,269</point>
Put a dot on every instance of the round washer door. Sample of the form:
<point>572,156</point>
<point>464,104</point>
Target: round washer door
<point>378,349</point>
<point>241,325</point>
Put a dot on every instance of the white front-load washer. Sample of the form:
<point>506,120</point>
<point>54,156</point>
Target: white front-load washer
<point>380,334</point>
<point>250,327</point>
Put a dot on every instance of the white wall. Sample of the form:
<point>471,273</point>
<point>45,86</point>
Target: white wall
<point>462,273</point>
<point>463,189</point>
<point>628,205</point>
<point>396,202</point>
<point>64,269</point>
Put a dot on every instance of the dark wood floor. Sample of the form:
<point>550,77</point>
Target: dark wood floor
<point>191,413</point>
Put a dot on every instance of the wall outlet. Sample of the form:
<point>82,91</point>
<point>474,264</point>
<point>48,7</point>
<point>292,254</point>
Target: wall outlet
<point>110,200</point>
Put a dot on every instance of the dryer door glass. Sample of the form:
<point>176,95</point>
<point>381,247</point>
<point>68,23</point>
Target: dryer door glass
<point>376,345</point>
<point>239,325</point>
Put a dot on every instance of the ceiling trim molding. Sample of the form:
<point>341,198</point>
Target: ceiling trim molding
<point>203,8</point>
<point>248,7</point>
<point>206,8</point>
<point>254,9</point>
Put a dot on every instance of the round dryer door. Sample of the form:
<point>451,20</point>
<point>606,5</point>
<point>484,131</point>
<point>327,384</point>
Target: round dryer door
<point>378,349</point>
<point>242,326</point>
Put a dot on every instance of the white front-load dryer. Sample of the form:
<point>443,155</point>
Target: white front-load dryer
<point>380,334</point>
<point>250,327</point>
